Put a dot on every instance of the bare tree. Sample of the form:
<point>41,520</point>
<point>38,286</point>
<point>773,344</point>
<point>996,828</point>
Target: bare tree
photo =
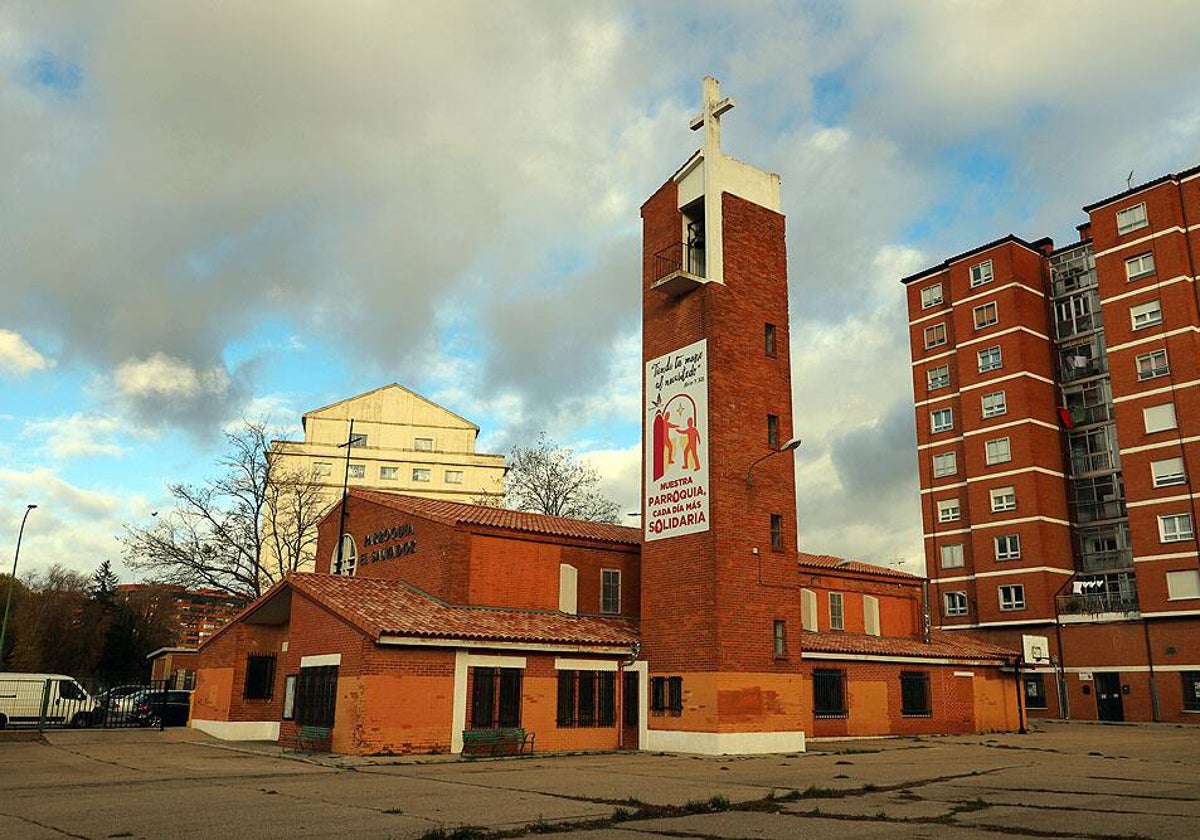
<point>546,478</point>
<point>239,532</point>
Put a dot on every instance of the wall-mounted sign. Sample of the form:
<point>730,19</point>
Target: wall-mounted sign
<point>1085,676</point>
<point>676,443</point>
<point>395,541</point>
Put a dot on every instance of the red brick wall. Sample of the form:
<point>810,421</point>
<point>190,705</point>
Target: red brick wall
<point>900,612</point>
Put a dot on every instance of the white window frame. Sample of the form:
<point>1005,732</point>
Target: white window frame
<point>944,457</point>
<point>458,477</point>
<point>1175,527</point>
<point>1152,365</point>
<point>1132,218</point>
<point>954,603</point>
<point>357,471</point>
<point>1169,472</point>
<point>949,510</point>
<point>1183,584</point>
<point>839,613</point>
<point>992,451</point>
<point>1140,266</point>
<point>941,420</point>
<point>423,444</point>
<point>322,469</point>
<point>1015,599</point>
<point>1146,315</point>
<point>986,353</point>
<point>1160,418</point>
<point>1007,547</point>
<point>951,556</point>
<point>389,473</point>
<point>1003,499</point>
<point>994,404</point>
<point>982,273</point>
<point>931,335</point>
<point>931,296</point>
<point>937,377</point>
<point>979,315</point>
<point>422,475</point>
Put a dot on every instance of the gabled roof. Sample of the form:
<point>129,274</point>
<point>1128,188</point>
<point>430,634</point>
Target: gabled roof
<point>388,387</point>
<point>1171,176</point>
<point>382,608</point>
<point>458,513</point>
<point>979,249</point>
<point>828,561</point>
<point>942,645</point>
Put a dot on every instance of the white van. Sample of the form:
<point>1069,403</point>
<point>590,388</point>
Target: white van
<point>22,696</point>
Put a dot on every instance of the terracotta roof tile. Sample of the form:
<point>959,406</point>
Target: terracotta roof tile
<point>828,561</point>
<point>393,608</point>
<point>942,645</point>
<point>455,513</point>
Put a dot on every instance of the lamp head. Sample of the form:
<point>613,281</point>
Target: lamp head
<point>794,443</point>
<point>30,507</point>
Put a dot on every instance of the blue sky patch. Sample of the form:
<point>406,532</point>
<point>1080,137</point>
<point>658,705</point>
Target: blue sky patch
<point>51,72</point>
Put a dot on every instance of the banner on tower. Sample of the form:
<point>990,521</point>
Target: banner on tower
<point>676,443</point>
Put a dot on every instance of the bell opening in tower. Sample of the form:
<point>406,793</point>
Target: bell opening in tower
<point>693,238</point>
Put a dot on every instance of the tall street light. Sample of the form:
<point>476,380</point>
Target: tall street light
<point>12,582</point>
<point>790,446</point>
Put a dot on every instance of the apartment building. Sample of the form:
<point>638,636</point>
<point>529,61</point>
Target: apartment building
<point>1057,394</point>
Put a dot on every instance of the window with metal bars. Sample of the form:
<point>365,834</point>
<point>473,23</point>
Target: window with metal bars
<point>260,676</point>
<point>495,698</point>
<point>829,693</point>
<point>666,696</point>
<point>316,696</point>
<point>914,694</point>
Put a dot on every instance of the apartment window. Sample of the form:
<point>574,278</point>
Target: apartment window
<point>420,474</point>
<point>914,694</point>
<point>1012,597</point>
<point>1008,547</point>
<point>495,698</point>
<point>779,637</point>
<point>769,339</point>
<point>945,464</point>
<point>260,676</point>
<point>1131,218</point>
<point>357,471</point>
<point>952,556</point>
<point>954,603</point>
<point>837,611</point>
<point>829,693</point>
<point>1035,691</point>
<point>1182,585</point>
<point>1159,418</point>
<point>997,451</point>
<point>454,476</point>
<point>808,610</point>
<point>941,420</point>
<point>981,273</point>
<point>675,695</point>
<point>389,473</point>
<point>1003,498</point>
<point>610,591</point>
<point>358,440</point>
<point>1167,472</point>
<point>586,698</point>
<point>1175,527</point>
<point>1150,365</point>
<point>1191,690</point>
<point>1146,314</point>
<point>938,377</point>
<point>935,336</point>
<point>776,532</point>
<point>322,469</point>
<point>994,404</point>
<point>931,296</point>
<point>772,431</point>
<point>1139,266</point>
<point>423,444</point>
<point>985,315</point>
<point>990,359</point>
<point>948,511</point>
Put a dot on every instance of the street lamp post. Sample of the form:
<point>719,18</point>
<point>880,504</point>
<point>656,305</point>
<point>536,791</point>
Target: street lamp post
<point>791,445</point>
<point>12,582</point>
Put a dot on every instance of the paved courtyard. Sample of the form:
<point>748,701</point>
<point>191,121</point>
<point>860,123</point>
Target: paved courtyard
<point>1062,780</point>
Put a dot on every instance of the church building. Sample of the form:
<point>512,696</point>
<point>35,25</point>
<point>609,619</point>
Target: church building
<point>705,631</point>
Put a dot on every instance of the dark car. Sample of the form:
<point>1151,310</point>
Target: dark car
<point>170,708</point>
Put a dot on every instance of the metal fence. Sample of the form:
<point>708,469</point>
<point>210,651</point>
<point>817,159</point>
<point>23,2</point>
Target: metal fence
<point>45,701</point>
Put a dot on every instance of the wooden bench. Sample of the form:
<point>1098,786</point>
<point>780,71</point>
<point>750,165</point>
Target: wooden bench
<point>505,741</point>
<point>312,738</point>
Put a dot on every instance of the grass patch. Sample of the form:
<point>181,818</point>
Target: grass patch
<point>393,810</point>
<point>463,832</point>
<point>814,792</point>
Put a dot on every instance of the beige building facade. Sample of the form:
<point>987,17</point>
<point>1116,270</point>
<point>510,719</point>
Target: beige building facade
<point>402,442</point>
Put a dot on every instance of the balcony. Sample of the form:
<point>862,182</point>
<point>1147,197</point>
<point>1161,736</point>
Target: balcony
<point>1095,603</point>
<point>678,269</point>
<point>1076,367</point>
<point>1096,511</point>
<point>1107,560</point>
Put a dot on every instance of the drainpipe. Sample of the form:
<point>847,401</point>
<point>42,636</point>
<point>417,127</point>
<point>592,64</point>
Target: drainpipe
<point>1021,730</point>
<point>1154,710</point>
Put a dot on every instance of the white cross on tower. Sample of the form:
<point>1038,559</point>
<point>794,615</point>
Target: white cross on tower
<point>710,118</point>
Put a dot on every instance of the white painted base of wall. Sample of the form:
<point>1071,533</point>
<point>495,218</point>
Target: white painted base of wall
<point>723,743</point>
<point>239,730</point>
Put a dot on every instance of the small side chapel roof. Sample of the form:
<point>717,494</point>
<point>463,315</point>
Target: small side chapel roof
<point>941,645</point>
<point>828,561</point>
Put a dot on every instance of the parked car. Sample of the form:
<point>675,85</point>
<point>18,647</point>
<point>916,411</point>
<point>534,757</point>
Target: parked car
<point>118,702</point>
<point>22,697</point>
<point>172,708</point>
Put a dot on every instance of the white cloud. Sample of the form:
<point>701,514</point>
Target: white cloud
<point>18,357</point>
<point>76,436</point>
<point>164,376</point>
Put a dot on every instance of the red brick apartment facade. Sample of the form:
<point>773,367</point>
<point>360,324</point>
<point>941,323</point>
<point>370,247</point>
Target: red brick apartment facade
<point>1057,397</point>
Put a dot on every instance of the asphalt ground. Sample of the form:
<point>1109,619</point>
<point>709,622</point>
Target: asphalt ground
<point>1061,780</point>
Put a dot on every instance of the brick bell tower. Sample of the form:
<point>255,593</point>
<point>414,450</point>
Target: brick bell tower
<point>720,588</point>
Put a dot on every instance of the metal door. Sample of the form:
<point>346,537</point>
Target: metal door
<point>1108,697</point>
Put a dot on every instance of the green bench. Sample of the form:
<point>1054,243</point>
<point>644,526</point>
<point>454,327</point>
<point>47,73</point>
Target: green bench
<point>312,738</point>
<point>505,741</point>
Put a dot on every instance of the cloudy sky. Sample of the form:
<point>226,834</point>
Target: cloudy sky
<point>209,211</point>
